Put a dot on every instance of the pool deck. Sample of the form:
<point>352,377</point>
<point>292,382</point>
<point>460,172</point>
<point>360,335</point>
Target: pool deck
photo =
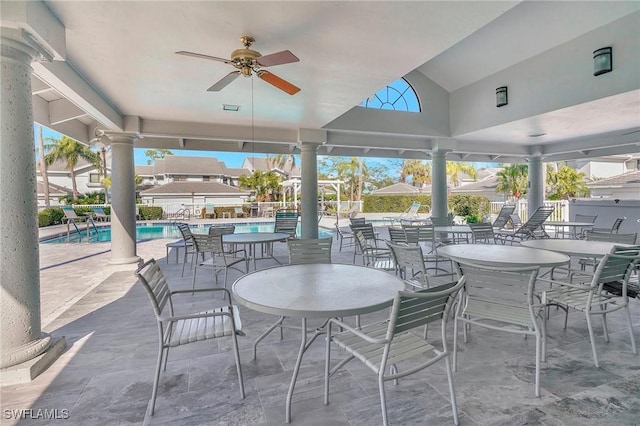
<point>105,375</point>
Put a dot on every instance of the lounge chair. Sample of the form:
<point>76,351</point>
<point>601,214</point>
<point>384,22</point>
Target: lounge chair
<point>238,211</point>
<point>100,215</point>
<point>411,214</point>
<point>70,216</point>
<point>503,216</point>
<point>533,228</point>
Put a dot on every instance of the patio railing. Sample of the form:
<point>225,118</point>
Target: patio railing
<point>561,212</point>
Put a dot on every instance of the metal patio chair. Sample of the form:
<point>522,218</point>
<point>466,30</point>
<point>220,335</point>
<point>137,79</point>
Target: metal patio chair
<point>502,300</point>
<point>221,259</point>
<point>587,292</point>
<point>383,347</point>
<point>178,330</point>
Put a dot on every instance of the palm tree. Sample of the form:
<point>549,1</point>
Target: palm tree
<point>419,171</point>
<point>264,184</point>
<point>568,183</point>
<point>352,172</point>
<point>153,154</point>
<point>70,151</point>
<point>454,168</point>
<point>512,180</point>
<point>284,162</point>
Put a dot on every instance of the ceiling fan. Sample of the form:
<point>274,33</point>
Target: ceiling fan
<point>248,61</point>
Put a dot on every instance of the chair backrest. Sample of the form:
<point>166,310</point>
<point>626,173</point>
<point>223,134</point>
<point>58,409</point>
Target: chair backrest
<point>421,233</point>
<point>616,266</point>
<point>99,211</point>
<point>413,210</point>
<point>503,216</point>
<point>482,233</point>
<point>611,237</point>
<point>155,284</point>
<point>415,309</point>
<point>397,235</point>
<point>362,242</point>
<point>185,231</point>
<point>238,210</point>
<point>69,212</point>
<point>357,220</point>
<point>410,263</point>
<point>366,229</point>
<point>211,243</point>
<point>287,222</point>
<point>310,251</point>
<point>534,223</point>
<point>442,221</point>
<point>586,218</point>
<point>222,229</point>
<point>487,288</point>
<point>515,220</point>
<point>616,224</point>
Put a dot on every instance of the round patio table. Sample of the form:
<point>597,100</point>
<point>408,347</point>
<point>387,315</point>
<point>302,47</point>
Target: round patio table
<point>502,256</point>
<point>252,239</point>
<point>573,226</point>
<point>315,291</point>
<point>582,248</point>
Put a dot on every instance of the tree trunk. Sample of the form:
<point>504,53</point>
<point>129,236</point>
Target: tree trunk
<point>73,183</point>
<point>43,167</point>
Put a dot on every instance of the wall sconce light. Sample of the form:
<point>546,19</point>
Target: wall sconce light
<point>602,61</point>
<point>501,96</point>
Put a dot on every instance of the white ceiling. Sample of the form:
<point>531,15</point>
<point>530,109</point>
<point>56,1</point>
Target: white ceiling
<point>120,71</point>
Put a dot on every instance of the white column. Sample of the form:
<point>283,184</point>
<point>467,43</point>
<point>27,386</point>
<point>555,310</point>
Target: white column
<point>24,350</point>
<point>438,184</point>
<point>123,198</point>
<point>535,191</point>
<point>309,190</point>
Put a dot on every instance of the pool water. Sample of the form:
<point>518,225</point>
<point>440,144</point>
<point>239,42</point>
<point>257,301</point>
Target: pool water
<point>154,231</point>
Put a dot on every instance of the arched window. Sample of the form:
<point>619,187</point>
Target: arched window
<point>397,96</point>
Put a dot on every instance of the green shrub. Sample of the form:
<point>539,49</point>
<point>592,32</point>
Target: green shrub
<point>395,203</point>
<point>469,205</point>
<point>50,216</point>
<point>150,213</point>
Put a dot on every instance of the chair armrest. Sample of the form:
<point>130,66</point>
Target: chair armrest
<point>357,332</point>
<point>220,313</point>
<point>565,284</point>
<point>202,290</point>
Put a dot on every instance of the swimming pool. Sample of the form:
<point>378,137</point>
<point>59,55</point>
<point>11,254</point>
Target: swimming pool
<point>158,230</point>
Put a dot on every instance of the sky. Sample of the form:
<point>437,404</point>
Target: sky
<point>230,159</point>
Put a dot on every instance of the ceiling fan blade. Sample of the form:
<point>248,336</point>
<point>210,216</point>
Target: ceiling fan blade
<point>281,84</point>
<point>201,56</point>
<point>224,81</point>
<point>278,58</point>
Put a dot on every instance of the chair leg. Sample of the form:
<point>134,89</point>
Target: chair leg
<point>633,340</point>
<point>156,380</point>
<point>327,363</point>
<point>593,340</point>
<point>236,354</point>
<point>604,328</point>
<point>455,344</point>
<point>452,391</point>
<point>193,287</point>
<point>383,402</point>
<point>538,357</point>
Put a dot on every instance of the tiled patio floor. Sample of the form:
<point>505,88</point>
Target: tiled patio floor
<point>105,376</point>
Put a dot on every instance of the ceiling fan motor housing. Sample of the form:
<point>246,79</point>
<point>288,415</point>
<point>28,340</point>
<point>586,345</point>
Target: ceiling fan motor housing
<point>245,60</point>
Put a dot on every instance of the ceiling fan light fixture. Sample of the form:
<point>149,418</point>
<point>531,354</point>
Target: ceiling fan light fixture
<point>234,108</point>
